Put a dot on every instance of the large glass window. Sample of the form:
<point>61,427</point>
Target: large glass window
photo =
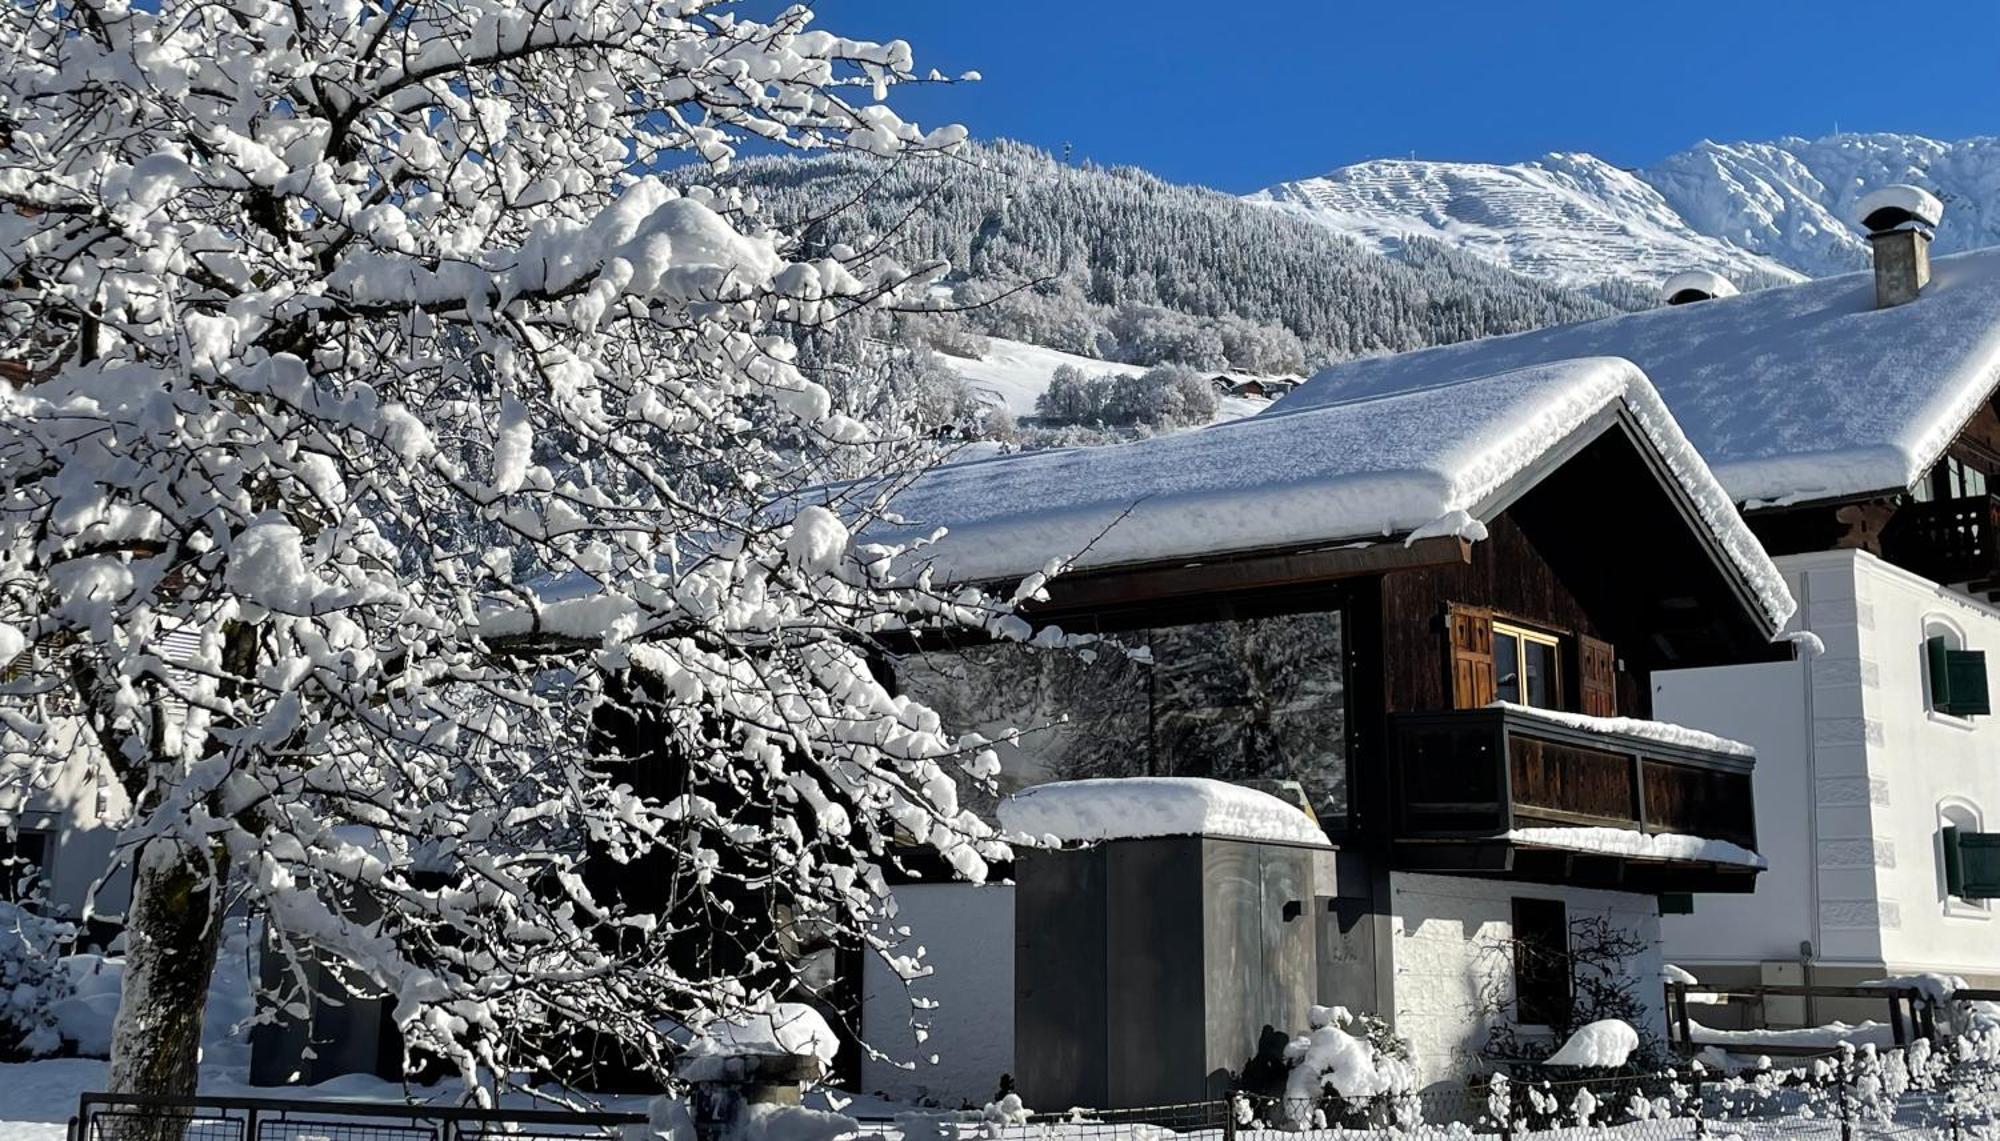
<point>1247,699</point>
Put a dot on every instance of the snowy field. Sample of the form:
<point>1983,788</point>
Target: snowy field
<point>1013,373</point>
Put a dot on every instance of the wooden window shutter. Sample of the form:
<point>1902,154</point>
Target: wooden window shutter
<point>1972,864</point>
<point>1966,670</point>
<point>1957,679</point>
<point>1470,629</point>
<point>1596,677</point>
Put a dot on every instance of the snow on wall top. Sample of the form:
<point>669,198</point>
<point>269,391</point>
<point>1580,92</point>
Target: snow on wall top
<point>787,1029</point>
<point>1136,808</point>
<point>1640,845</point>
<point>1423,461</point>
<point>1665,732</point>
<point>1791,394</point>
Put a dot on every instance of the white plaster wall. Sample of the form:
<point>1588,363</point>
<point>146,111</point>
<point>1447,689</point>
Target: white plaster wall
<point>1765,706</point>
<point>80,814</point>
<point>1819,793</point>
<point>1847,806</point>
<point>1446,938</point>
<point>967,933</point>
<point>1918,759</point>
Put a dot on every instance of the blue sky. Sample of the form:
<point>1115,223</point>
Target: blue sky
<point>1240,95</point>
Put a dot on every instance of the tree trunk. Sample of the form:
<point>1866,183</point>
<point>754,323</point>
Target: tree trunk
<point>172,938</point>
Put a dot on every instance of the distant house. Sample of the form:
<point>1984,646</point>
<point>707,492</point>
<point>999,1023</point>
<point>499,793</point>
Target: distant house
<point>1255,387</point>
<point>1855,420</point>
<point>1392,604</point>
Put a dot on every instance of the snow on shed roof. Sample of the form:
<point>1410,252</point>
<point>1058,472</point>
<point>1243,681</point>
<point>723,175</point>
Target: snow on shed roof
<point>1433,460</point>
<point>1132,808</point>
<point>1793,393</point>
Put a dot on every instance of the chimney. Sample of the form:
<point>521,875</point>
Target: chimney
<point>1900,220</point>
<point>1695,285</point>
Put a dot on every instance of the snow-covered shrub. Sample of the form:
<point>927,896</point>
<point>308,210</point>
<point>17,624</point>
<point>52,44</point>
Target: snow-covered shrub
<point>1359,1061</point>
<point>34,982</point>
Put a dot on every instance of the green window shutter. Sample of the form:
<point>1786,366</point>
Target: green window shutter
<point>1677,903</point>
<point>1965,674</point>
<point>1936,656</point>
<point>1954,864</point>
<point>1978,865</point>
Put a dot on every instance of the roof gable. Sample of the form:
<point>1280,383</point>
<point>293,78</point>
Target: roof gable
<point>1791,394</point>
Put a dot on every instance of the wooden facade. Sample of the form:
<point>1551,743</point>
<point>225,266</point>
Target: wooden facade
<point>1597,554</point>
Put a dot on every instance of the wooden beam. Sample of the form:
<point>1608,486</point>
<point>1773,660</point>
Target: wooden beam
<point>1090,590</point>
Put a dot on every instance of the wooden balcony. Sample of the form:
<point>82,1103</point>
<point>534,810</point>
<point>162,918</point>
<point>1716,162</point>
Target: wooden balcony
<point>1947,540</point>
<point>1480,790</point>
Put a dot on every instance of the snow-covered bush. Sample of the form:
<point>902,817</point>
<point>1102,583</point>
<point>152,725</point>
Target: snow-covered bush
<point>1360,1062</point>
<point>35,981</point>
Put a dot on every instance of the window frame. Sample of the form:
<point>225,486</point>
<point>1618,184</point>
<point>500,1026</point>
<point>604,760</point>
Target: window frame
<point>1938,628</point>
<point>1528,1007</point>
<point>1962,814</point>
<point>1523,636</point>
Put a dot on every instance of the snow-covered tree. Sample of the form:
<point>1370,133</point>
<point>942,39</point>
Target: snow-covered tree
<point>369,350</point>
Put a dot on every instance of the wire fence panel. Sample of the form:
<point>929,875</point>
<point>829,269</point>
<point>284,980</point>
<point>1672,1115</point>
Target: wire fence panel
<point>107,1117</point>
<point>1925,1092</point>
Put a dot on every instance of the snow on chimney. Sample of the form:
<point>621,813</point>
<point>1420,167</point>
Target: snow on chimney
<point>1901,220</point>
<point>1695,285</point>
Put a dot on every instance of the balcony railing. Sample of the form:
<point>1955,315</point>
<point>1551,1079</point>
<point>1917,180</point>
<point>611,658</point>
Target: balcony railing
<point>1947,540</point>
<point>1483,774</point>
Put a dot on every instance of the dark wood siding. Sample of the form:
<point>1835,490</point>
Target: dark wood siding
<point>1566,784</point>
<point>1507,575</point>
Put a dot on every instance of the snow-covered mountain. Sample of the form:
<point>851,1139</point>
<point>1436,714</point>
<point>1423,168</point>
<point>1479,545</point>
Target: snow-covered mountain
<point>1755,212</point>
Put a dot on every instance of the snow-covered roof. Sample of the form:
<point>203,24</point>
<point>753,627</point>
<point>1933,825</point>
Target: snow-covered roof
<point>1435,459</point>
<point>1135,808</point>
<point>1793,393</point>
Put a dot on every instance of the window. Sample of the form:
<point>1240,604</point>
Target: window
<point>1251,698</point>
<point>1969,859</point>
<point>1952,478</point>
<point>1541,962</point>
<point>24,859</point>
<point>1525,667</point>
<point>1954,677</point>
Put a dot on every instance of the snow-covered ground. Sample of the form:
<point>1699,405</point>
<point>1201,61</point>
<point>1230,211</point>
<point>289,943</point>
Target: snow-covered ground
<point>1012,374</point>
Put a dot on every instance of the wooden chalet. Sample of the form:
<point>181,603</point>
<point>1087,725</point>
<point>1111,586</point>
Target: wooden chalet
<point>1433,617</point>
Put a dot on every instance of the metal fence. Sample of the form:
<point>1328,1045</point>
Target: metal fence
<point>1857,1095</point>
<point>109,1117</point>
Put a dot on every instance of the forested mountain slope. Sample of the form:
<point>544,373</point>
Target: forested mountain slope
<point>1112,263</point>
